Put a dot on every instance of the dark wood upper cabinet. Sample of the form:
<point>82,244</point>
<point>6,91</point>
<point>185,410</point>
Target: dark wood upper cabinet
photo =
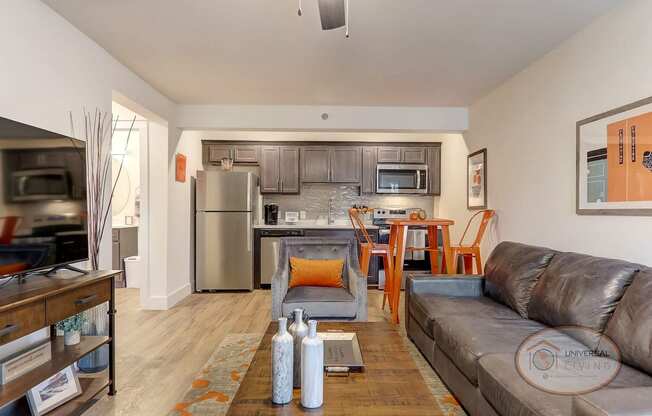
<point>315,164</point>
<point>217,152</point>
<point>368,170</point>
<point>434,170</point>
<point>413,155</point>
<point>245,154</point>
<point>289,169</point>
<point>389,155</point>
<point>345,164</point>
<point>270,169</point>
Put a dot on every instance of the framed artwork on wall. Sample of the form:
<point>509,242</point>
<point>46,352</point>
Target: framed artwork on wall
<point>476,182</point>
<point>180,160</point>
<point>614,161</point>
<point>53,392</point>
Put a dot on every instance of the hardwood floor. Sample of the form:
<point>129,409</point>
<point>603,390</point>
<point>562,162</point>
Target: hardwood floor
<point>160,352</point>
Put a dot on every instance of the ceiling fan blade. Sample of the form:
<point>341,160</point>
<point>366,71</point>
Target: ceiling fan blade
<point>332,14</point>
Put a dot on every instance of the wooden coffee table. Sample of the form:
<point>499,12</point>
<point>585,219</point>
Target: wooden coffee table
<point>390,384</point>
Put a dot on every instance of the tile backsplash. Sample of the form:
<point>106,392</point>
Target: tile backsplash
<point>314,200</point>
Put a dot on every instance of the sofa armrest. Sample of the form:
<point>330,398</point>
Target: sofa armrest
<point>446,285</point>
<point>635,401</point>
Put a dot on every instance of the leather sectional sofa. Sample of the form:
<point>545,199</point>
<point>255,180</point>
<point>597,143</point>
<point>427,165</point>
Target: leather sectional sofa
<point>470,327</point>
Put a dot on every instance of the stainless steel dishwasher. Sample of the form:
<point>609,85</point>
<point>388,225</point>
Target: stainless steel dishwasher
<point>269,245</point>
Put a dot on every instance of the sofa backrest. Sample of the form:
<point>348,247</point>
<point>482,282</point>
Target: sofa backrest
<point>630,327</point>
<point>511,272</point>
<point>580,290</point>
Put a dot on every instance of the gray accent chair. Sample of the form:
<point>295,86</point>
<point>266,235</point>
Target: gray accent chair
<point>469,328</point>
<point>322,303</point>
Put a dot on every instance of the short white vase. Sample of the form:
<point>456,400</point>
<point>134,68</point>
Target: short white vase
<point>282,363</point>
<point>71,337</point>
<point>298,330</point>
<point>312,368</point>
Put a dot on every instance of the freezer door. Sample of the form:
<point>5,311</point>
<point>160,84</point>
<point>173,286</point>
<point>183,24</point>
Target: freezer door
<point>224,254</point>
<point>225,191</point>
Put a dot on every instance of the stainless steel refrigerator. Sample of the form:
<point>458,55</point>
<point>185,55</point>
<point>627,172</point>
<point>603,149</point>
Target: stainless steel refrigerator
<point>226,206</point>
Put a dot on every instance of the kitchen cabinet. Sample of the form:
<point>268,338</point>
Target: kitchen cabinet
<point>368,170</point>
<point>279,169</point>
<point>402,155</point>
<point>217,152</point>
<point>315,164</point>
<point>245,154</point>
<point>345,164</point>
<point>434,170</point>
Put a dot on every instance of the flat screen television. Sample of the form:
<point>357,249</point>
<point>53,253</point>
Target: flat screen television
<point>43,211</point>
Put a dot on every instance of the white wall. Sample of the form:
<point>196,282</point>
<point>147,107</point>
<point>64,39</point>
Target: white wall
<point>528,126</point>
<point>50,68</point>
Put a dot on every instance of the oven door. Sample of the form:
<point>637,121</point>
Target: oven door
<point>402,179</point>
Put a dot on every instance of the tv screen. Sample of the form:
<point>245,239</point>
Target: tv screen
<point>43,213</point>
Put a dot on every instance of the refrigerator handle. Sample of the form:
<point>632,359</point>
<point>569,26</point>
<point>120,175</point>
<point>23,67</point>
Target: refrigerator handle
<point>249,232</point>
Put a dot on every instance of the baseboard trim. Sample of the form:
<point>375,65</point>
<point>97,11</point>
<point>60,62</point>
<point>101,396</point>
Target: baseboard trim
<point>161,303</point>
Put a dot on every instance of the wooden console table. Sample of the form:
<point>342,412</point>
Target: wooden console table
<point>40,302</point>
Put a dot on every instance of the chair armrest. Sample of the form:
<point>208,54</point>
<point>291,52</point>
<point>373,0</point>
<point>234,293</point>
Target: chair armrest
<point>280,282</point>
<point>358,288</point>
<point>635,401</point>
<point>446,285</point>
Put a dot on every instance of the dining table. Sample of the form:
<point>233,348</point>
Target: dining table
<point>397,242</point>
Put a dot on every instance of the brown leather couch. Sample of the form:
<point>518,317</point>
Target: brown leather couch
<point>470,327</point>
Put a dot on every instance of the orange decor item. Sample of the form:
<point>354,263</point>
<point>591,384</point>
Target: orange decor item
<point>316,272</point>
<point>180,167</point>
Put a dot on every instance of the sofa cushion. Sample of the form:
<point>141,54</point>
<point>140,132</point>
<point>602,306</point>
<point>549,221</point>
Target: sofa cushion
<point>320,302</point>
<point>424,307</point>
<point>511,272</point>
<point>631,325</point>
<point>464,339</point>
<point>614,402</point>
<point>511,395</point>
<point>580,290</point>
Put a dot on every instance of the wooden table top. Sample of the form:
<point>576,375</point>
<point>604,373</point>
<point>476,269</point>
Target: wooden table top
<point>426,222</point>
<point>391,384</point>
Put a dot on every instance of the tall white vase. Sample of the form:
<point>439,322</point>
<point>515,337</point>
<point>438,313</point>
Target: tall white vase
<point>282,364</point>
<point>312,368</point>
<point>298,330</point>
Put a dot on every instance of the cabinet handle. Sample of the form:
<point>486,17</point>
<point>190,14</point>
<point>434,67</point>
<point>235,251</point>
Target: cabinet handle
<point>84,301</point>
<point>621,146</point>
<point>633,144</point>
<point>9,329</point>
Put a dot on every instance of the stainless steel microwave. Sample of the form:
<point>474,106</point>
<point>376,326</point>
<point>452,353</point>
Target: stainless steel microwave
<point>40,185</point>
<point>401,179</point>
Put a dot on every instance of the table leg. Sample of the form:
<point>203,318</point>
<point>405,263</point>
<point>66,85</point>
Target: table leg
<point>401,237</point>
<point>448,255</point>
<point>112,312</point>
<point>432,244</point>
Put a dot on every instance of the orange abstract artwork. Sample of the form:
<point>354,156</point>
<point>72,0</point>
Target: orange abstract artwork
<point>180,167</point>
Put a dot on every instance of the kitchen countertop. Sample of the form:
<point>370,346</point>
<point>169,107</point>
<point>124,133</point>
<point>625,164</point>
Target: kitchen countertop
<point>119,226</point>
<point>312,225</point>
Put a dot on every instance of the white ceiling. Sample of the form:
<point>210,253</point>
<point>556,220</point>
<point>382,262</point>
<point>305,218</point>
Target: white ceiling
<point>401,52</point>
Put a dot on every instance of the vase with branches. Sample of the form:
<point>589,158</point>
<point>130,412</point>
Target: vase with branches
<point>98,132</point>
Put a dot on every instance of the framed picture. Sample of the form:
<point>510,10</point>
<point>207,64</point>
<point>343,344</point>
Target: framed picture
<point>180,174</point>
<point>476,182</point>
<point>54,391</point>
<point>614,161</point>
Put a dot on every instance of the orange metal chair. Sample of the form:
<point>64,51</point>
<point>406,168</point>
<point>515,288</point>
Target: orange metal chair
<point>8,228</point>
<point>472,252</point>
<point>368,249</point>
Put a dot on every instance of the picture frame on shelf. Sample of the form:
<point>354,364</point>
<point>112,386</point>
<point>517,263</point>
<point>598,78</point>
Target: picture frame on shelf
<point>54,391</point>
<point>476,180</point>
<point>614,161</point>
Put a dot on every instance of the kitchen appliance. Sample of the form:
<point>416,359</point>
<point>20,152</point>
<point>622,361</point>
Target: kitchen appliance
<point>40,185</point>
<point>401,179</point>
<point>269,246</point>
<point>271,214</point>
<point>225,214</point>
<point>291,217</point>
<point>43,217</point>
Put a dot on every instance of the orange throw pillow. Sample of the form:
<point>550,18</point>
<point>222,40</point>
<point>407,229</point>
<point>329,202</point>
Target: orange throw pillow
<point>316,272</point>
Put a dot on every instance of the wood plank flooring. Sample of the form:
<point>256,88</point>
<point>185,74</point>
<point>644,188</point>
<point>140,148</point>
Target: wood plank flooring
<point>160,352</point>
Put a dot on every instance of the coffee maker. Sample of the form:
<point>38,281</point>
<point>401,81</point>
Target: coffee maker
<point>271,214</point>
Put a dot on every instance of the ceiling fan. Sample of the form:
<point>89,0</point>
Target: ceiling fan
<point>333,13</point>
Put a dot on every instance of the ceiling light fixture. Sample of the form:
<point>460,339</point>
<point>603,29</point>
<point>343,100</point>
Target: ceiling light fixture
<point>333,13</point>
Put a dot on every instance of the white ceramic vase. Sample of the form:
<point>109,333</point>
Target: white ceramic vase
<point>298,330</point>
<point>312,368</point>
<point>71,337</point>
<point>282,364</point>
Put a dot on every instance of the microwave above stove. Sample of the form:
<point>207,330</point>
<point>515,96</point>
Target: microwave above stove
<point>40,185</point>
<point>401,179</point>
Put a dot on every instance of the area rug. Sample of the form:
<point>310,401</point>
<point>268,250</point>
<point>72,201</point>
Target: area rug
<point>215,386</point>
